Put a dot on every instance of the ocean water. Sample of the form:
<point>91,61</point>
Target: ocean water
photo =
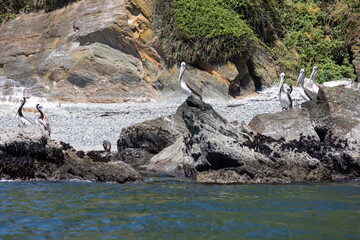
<point>167,208</point>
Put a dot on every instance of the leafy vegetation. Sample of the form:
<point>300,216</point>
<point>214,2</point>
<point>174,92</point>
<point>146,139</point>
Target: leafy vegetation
<point>314,36</point>
<point>201,31</point>
<point>10,8</point>
<point>298,33</point>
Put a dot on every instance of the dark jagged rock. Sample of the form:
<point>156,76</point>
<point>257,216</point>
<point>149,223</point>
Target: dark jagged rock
<point>136,157</point>
<point>30,154</point>
<point>211,150</point>
<point>207,148</point>
<point>99,156</point>
<point>227,153</point>
<point>334,115</point>
<point>149,138</point>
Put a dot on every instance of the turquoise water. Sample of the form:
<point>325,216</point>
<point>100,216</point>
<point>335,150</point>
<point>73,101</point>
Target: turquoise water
<point>164,208</point>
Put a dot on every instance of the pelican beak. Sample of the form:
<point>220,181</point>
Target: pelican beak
<point>182,70</point>
<point>17,113</point>
<point>298,81</point>
<point>313,73</point>
<point>46,116</point>
<point>281,83</point>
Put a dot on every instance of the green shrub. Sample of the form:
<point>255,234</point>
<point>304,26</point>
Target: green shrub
<point>10,8</point>
<point>298,33</point>
<point>310,40</point>
<point>201,31</point>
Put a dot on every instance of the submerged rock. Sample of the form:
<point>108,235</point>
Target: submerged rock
<point>30,154</point>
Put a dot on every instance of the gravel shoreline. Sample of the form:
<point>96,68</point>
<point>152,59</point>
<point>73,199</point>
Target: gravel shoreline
<point>85,126</point>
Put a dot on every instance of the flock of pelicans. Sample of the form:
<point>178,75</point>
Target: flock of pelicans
<point>41,120</point>
<point>308,91</point>
<point>308,88</point>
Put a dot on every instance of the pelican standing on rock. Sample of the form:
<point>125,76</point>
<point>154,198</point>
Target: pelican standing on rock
<point>310,84</point>
<point>42,120</point>
<point>107,145</point>
<point>188,87</point>
<point>22,120</point>
<point>305,93</point>
<point>284,95</point>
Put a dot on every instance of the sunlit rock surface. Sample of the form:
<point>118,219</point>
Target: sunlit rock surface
<point>103,51</point>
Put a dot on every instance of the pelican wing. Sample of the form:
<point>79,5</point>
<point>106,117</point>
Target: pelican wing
<point>290,100</point>
<point>309,94</point>
<point>195,89</point>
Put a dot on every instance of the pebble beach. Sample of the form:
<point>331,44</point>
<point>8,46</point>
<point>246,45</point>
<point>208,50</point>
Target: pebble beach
<point>86,125</point>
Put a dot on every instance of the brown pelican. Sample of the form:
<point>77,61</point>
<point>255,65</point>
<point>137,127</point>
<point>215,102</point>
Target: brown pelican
<point>107,145</point>
<point>40,120</point>
<point>22,120</point>
<point>188,87</point>
<point>305,93</point>
<point>310,84</point>
<point>284,95</point>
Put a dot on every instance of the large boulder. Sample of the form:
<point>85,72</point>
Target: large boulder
<point>216,145</point>
<point>170,160</point>
<point>137,144</point>
<point>334,114</point>
<point>30,154</point>
<point>290,125</point>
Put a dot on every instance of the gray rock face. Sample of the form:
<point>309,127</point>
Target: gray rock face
<point>212,150</point>
<point>287,124</point>
<point>29,154</point>
<point>215,144</point>
<point>142,141</point>
<point>170,160</point>
<point>335,113</point>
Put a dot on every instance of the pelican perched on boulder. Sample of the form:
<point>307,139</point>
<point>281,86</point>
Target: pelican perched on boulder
<point>284,95</point>
<point>22,120</point>
<point>310,83</point>
<point>305,93</point>
<point>188,87</point>
<point>42,120</point>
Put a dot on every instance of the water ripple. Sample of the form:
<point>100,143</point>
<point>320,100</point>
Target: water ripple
<point>178,210</point>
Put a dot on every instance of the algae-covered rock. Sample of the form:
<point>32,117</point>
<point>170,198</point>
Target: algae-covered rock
<point>30,154</point>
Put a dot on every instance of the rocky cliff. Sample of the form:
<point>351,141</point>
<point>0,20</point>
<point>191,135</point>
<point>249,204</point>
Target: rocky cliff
<point>105,51</point>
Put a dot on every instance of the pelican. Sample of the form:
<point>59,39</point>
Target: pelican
<point>310,84</point>
<point>188,87</point>
<point>41,121</point>
<point>22,120</point>
<point>305,93</point>
<point>284,95</point>
<point>107,145</point>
